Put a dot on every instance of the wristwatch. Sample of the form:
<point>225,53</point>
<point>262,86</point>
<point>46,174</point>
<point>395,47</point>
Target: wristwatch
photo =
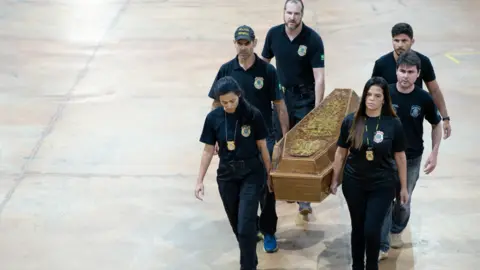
<point>447,118</point>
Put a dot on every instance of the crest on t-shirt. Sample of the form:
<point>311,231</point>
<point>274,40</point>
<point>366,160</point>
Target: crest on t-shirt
<point>246,131</point>
<point>378,137</point>
<point>395,107</point>
<point>302,50</point>
<point>258,83</point>
<point>415,111</point>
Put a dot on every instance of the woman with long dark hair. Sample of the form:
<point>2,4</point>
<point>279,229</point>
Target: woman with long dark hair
<point>240,131</point>
<point>374,140</point>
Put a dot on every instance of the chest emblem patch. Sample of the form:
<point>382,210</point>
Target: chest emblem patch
<point>258,83</point>
<point>378,137</point>
<point>415,111</point>
<point>395,107</point>
<point>246,131</point>
<point>302,50</point>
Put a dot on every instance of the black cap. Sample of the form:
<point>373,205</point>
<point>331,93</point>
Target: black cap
<point>244,32</point>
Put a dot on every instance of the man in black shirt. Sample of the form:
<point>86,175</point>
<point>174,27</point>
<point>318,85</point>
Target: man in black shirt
<point>299,55</point>
<point>385,66</point>
<point>412,105</point>
<point>258,79</point>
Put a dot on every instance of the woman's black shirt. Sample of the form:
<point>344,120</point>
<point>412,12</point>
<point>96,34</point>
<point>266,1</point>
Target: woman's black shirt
<point>249,126</point>
<point>385,141</point>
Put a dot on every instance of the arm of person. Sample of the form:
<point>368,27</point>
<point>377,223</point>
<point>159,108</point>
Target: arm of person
<point>282,115</point>
<point>262,146</point>
<point>398,148</point>
<point>276,96</point>
<point>317,60</point>
<point>319,74</point>
<point>338,162</point>
<point>376,72</point>
<point>267,52</point>
<point>343,144</point>
<point>207,156</point>
<point>430,80</point>
<point>209,138</point>
<point>260,133</point>
<point>435,120</point>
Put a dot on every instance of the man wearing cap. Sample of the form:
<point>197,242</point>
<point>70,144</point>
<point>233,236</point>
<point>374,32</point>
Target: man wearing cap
<point>299,55</point>
<point>258,79</point>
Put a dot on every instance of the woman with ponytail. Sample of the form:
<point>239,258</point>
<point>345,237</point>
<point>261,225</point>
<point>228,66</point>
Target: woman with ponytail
<point>240,132</point>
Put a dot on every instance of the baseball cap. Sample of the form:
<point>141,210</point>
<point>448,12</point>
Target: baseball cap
<point>244,32</point>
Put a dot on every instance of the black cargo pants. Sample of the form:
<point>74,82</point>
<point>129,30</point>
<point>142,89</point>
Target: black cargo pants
<point>240,184</point>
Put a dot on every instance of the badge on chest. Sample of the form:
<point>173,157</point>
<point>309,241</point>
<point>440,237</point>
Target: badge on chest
<point>246,131</point>
<point>258,83</point>
<point>378,137</point>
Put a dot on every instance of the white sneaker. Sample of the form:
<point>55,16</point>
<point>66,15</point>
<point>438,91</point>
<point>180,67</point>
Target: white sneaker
<point>396,240</point>
<point>382,255</point>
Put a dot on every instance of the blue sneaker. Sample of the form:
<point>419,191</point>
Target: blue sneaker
<point>270,243</point>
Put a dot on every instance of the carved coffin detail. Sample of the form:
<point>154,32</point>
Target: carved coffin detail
<point>302,161</point>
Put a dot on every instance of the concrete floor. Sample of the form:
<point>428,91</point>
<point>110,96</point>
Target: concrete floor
<point>102,104</point>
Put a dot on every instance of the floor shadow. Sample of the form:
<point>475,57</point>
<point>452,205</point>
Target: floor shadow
<point>336,255</point>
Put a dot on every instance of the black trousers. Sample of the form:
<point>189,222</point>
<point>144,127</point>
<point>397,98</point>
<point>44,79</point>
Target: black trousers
<point>299,101</point>
<point>240,185</point>
<point>368,206</point>
<point>268,219</point>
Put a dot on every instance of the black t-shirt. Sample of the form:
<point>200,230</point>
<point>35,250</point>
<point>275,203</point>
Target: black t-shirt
<point>259,83</point>
<point>249,127</point>
<point>386,67</point>
<point>294,59</point>
<point>385,141</point>
<point>412,109</point>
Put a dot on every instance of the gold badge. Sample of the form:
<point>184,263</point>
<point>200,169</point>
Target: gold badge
<point>246,131</point>
<point>302,50</point>
<point>231,145</point>
<point>258,83</point>
<point>369,155</point>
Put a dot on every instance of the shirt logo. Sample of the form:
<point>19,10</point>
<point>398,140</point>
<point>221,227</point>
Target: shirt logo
<point>302,50</point>
<point>246,131</point>
<point>378,138</point>
<point>258,82</point>
<point>395,107</point>
<point>415,111</point>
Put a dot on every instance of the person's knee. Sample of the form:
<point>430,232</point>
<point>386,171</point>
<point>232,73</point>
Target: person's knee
<point>371,232</point>
<point>247,227</point>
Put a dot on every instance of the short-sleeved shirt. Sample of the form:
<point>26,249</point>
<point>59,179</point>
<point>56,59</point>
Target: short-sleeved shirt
<point>295,59</point>
<point>259,82</point>
<point>412,109</point>
<point>385,141</point>
<point>386,67</point>
<point>220,127</point>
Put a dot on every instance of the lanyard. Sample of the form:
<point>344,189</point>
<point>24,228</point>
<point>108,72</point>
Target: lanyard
<point>230,144</point>
<point>376,129</point>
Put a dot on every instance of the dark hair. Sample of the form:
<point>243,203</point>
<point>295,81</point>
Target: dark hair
<point>227,85</point>
<point>356,130</point>
<point>409,58</point>
<point>294,1</point>
<point>402,28</point>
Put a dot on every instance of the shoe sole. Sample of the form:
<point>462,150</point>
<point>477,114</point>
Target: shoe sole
<point>270,251</point>
<point>305,212</point>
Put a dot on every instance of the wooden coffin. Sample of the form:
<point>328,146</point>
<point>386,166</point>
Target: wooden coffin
<point>303,159</point>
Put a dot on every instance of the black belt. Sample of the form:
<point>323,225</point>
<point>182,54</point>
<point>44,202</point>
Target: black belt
<point>240,163</point>
<point>301,89</point>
